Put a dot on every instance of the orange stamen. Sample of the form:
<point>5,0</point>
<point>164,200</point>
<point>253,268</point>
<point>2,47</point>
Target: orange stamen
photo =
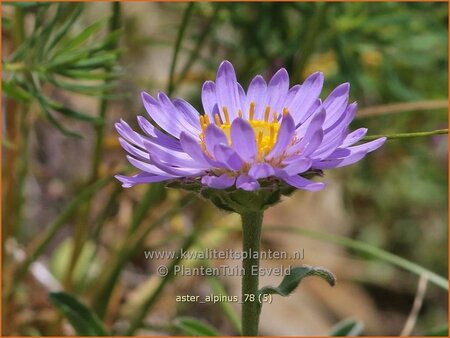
<point>275,117</point>
<point>252,110</point>
<point>266,114</point>
<point>217,118</point>
<point>227,117</point>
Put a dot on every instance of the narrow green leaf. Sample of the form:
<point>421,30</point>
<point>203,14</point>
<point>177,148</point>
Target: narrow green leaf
<point>70,112</point>
<point>84,321</point>
<point>87,75</point>
<point>291,281</point>
<point>67,25</point>
<point>15,91</point>
<point>103,60</point>
<point>94,89</point>
<point>67,58</point>
<point>55,122</point>
<point>84,35</point>
<point>193,327</point>
<point>347,327</point>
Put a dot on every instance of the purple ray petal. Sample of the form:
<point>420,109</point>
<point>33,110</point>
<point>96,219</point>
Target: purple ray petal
<point>306,96</point>
<point>174,158</point>
<point>146,126</point>
<point>177,117</point>
<point>226,89</point>
<point>303,183</point>
<point>191,115</point>
<point>157,136</point>
<point>336,103</point>
<point>214,135</point>
<point>285,134</point>
<point>162,118</point>
<point>247,183</point>
<point>356,154</point>
<point>129,134</point>
<point>243,139</point>
<point>261,170</point>
<point>193,149</point>
<point>129,181</point>
<point>228,156</point>
<point>209,98</point>
<point>298,166</point>
<point>277,90</point>
<point>243,101</point>
<point>354,137</point>
<point>313,125</point>
<point>218,182</point>
<point>148,167</point>
<point>176,171</point>
<point>256,93</point>
<point>132,150</point>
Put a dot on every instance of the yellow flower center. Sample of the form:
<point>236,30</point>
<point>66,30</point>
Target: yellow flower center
<point>266,130</point>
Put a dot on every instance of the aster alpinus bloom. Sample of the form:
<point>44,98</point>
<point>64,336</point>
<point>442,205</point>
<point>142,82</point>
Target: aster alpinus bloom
<point>271,133</point>
<point>245,151</point>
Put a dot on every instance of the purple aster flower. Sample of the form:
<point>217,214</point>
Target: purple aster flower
<point>269,133</point>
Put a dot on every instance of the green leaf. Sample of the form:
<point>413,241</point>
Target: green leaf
<point>84,321</point>
<point>87,75</point>
<point>15,91</point>
<point>62,32</point>
<point>193,327</point>
<point>83,36</point>
<point>74,114</point>
<point>291,281</point>
<point>67,58</point>
<point>102,60</point>
<point>347,327</point>
<point>93,89</point>
<point>55,122</point>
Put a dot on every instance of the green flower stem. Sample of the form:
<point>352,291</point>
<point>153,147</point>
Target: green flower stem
<point>251,233</point>
<point>407,135</point>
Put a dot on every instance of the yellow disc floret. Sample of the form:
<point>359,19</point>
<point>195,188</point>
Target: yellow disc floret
<point>266,130</point>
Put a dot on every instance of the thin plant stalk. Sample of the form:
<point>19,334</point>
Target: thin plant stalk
<point>408,135</point>
<point>181,31</point>
<point>251,238</point>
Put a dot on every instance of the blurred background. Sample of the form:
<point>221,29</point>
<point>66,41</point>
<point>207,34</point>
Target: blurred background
<point>71,70</point>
